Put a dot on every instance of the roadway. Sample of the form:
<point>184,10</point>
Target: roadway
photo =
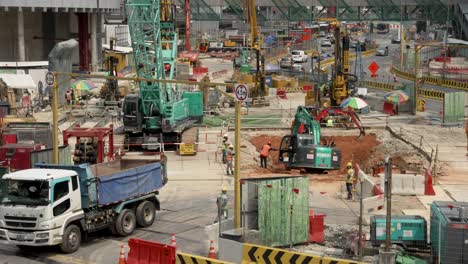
<point>188,204</point>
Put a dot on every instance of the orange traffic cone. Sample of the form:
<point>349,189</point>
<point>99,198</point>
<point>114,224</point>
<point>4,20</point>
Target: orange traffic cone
<point>212,253</point>
<point>173,241</point>
<point>122,255</point>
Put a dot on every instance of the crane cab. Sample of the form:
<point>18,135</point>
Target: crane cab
<point>132,114</point>
<point>300,151</point>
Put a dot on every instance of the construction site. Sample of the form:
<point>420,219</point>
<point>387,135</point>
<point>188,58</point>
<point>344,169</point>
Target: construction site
<point>227,132</point>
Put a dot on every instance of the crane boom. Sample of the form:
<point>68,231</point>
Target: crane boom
<point>158,107</point>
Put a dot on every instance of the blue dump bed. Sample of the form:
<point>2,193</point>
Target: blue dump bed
<point>116,181</point>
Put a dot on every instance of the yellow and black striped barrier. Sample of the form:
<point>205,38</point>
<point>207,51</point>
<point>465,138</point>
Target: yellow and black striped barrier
<point>184,258</point>
<point>432,80</point>
<point>380,86</point>
<point>256,254</point>
<point>431,94</point>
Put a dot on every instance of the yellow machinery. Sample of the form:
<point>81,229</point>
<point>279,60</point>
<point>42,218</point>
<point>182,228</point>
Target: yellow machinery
<point>229,44</point>
<point>339,89</point>
<point>255,45</point>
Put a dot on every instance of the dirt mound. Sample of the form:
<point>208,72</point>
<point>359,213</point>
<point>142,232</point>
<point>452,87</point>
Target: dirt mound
<point>360,150</point>
<point>260,141</point>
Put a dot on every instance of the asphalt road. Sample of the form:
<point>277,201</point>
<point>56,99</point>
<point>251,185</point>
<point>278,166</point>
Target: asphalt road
<point>188,206</point>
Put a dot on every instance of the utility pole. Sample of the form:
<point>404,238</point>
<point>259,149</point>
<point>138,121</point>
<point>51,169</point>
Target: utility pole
<point>360,249</point>
<point>55,120</point>
<point>387,254</point>
<point>416,79</point>
<point>237,193</point>
<point>388,196</point>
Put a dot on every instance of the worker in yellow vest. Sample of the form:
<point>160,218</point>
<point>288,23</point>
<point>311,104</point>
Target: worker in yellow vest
<point>349,179</point>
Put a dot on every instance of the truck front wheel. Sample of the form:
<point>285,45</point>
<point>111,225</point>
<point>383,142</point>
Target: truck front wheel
<point>71,239</point>
<point>145,214</point>
<point>126,223</point>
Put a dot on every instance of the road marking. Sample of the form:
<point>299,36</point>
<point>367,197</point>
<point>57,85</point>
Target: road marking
<point>66,259</point>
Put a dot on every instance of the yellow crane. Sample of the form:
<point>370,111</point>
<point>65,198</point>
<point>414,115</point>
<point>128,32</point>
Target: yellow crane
<point>255,45</point>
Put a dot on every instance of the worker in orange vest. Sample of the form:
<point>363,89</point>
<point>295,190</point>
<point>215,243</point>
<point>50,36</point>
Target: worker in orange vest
<point>264,152</point>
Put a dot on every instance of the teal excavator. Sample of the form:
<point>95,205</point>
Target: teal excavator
<point>304,148</point>
<point>159,109</point>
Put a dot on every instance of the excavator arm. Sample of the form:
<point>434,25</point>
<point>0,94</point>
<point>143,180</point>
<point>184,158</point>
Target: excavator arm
<point>342,112</point>
<point>304,119</point>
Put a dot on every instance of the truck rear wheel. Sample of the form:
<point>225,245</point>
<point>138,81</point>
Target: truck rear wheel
<point>71,240</point>
<point>145,214</point>
<point>126,223</point>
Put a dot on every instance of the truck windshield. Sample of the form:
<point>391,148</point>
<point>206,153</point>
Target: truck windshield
<point>295,53</point>
<point>18,192</point>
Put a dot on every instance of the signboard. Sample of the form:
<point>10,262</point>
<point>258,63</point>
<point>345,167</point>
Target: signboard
<point>241,91</point>
<point>49,78</point>
<point>373,68</point>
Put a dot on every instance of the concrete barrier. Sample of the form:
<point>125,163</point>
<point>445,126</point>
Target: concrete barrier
<point>405,184</point>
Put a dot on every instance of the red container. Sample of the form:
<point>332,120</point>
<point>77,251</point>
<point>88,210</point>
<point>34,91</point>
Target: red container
<point>9,139</point>
<point>199,70</point>
<point>306,88</point>
<point>281,94</point>
<point>316,228</point>
<point>149,252</point>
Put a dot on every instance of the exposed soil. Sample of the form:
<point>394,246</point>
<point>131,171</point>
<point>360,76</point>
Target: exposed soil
<point>361,151</point>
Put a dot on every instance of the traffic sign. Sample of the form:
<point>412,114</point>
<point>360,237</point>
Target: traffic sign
<point>373,68</point>
<point>50,78</point>
<point>241,91</point>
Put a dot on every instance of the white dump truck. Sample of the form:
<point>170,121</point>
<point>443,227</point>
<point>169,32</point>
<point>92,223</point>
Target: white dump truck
<point>59,204</point>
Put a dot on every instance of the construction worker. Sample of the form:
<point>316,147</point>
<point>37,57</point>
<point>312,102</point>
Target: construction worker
<point>264,153</point>
<point>349,179</point>
<point>229,160</point>
<point>224,147</point>
<point>68,97</point>
<point>221,203</point>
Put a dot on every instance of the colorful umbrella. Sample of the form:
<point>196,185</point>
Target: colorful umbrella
<point>354,102</point>
<point>396,97</point>
<point>83,85</point>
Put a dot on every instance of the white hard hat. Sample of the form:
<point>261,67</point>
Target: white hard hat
<point>225,135</point>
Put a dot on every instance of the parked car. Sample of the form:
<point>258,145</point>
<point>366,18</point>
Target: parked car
<point>297,67</point>
<point>353,43</point>
<point>299,56</point>
<point>396,40</point>
<point>322,34</point>
<point>326,43</point>
<point>286,62</point>
<point>382,51</point>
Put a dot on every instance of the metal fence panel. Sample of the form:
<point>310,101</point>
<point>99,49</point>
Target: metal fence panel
<point>454,107</point>
<point>47,156</point>
<point>275,198</point>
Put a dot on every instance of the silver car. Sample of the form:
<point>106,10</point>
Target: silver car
<point>286,62</point>
<point>382,51</point>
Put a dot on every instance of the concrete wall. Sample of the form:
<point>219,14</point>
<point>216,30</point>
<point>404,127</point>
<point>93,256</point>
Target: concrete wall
<point>42,30</point>
<point>8,36</point>
<point>405,184</point>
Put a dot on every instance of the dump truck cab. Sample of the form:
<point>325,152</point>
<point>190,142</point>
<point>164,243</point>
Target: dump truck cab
<point>37,204</point>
